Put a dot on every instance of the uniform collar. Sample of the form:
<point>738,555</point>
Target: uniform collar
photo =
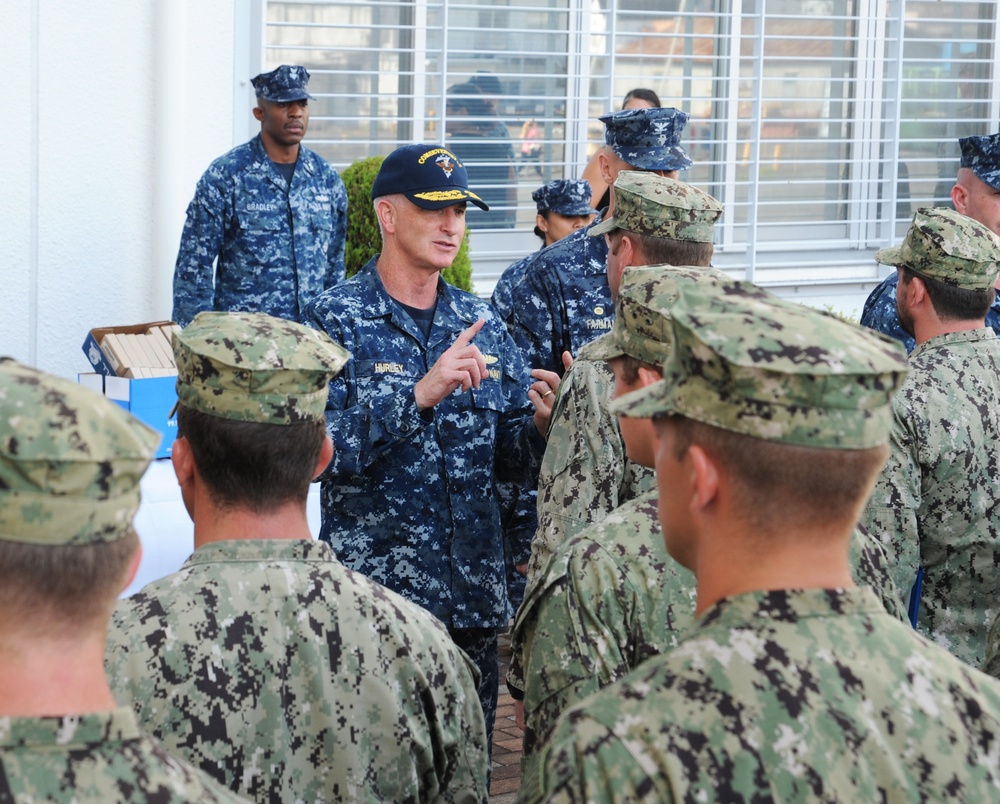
<point>70,732</point>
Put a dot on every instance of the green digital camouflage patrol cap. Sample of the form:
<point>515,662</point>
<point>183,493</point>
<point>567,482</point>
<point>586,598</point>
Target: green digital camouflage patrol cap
<point>642,327</point>
<point>947,246</point>
<point>70,461</point>
<point>654,205</point>
<point>253,367</point>
<point>746,361</point>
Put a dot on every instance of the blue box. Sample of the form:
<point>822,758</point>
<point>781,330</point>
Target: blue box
<point>149,400</point>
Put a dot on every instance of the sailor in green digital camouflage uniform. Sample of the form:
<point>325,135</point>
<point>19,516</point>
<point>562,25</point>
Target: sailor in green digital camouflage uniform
<point>793,684</point>
<point>937,501</point>
<point>585,474</point>
<point>611,597</point>
<point>70,464</point>
<point>264,660</point>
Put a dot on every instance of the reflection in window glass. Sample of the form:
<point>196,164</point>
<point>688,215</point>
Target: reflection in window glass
<point>820,124</point>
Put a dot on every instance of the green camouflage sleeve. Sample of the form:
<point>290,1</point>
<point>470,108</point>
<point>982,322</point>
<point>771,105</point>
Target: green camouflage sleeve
<point>569,771</point>
<point>870,567</point>
<point>991,665</point>
<point>891,513</point>
<point>585,474</point>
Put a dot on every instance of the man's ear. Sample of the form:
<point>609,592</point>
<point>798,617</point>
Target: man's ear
<point>705,477</point>
<point>258,113</point>
<point>960,198</point>
<point>647,376</point>
<point>182,460</point>
<point>386,213</point>
<point>604,163</point>
<point>325,456</point>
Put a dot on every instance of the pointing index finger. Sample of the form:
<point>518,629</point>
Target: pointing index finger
<point>465,338</point>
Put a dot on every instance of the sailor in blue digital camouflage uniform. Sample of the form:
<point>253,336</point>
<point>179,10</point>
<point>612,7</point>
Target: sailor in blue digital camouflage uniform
<point>270,216</point>
<point>976,194</point>
<point>564,300</point>
<point>431,411</point>
<point>563,206</point>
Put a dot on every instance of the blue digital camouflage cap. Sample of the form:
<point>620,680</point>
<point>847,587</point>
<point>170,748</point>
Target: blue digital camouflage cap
<point>430,176</point>
<point>253,367</point>
<point>564,197</point>
<point>70,461</point>
<point>746,361</point>
<point>283,84</point>
<point>648,139</point>
<point>982,156</point>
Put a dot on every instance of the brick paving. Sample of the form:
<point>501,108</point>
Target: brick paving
<point>506,739</point>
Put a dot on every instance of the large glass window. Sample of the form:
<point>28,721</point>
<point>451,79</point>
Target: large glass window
<point>820,124</point>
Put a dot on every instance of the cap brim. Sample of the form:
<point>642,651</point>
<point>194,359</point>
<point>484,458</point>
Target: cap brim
<point>604,348</point>
<point>441,197</point>
<point>571,212</point>
<point>889,256</point>
<point>288,97</point>
<point>642,404</point>
<point>603,227</point>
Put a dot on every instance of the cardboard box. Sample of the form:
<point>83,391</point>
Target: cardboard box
<point>149,400</point>
<point>92,344</point>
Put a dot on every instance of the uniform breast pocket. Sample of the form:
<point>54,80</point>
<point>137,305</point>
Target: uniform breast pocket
<point>262,218</point>
<point>321,228</point>
<point>487,397</point>
<point>375,378</point>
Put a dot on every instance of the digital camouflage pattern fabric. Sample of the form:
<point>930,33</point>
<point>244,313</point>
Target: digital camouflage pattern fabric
<point>991,665</point>
<point>564,300</point>
<point>278,246</point>
<point>749,362</point>
<point>283,84</point>
<point>99,758</point>
<point>981,154</point>
<point>609,599</point>
<point>568,197</point>
<point>814,695</point>
<point>408,498</point>
<point>585,473</point>
<point>947,246</point>
<point>879,313</point>
<point>658,206</point>
<point>648,139</point>
<point>70,460</point>
<point>288,677</point>
<point>253,367</point>
<point>936,503</point>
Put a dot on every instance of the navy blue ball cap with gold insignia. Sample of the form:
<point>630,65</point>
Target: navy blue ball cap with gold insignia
<point>431,176</point>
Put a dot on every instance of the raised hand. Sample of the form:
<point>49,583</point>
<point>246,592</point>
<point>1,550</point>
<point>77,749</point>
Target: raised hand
<point>461,366</point>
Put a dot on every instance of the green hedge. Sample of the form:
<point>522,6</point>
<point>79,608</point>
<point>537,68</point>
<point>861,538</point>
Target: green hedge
<point>363,238</point>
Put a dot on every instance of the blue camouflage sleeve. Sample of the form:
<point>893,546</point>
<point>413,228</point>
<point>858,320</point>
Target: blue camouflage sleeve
<point>362,431</point>
<point>519,449</point>
<point>532,324</point>
<point>201,242</point>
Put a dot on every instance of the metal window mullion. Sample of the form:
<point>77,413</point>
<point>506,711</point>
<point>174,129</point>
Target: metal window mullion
<point>757,125</point>
<point>727,115</point>
<point>577,83</point>
<point>419,124</point>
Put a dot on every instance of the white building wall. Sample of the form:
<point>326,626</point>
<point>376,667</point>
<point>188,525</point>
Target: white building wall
<point>87,218</point>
